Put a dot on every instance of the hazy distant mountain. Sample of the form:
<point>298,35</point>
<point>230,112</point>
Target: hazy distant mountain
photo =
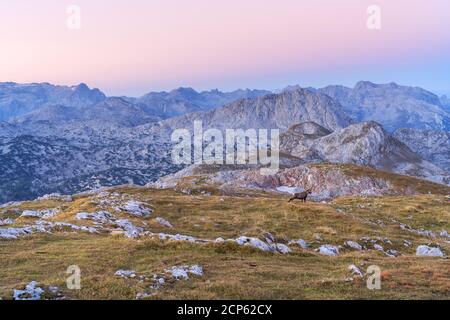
<point>185,100</point>
<point>391,105</point>
<point>433,146</point>
<point>19,99</point>
<point>43,102</point>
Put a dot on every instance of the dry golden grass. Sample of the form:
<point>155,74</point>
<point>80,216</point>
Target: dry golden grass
<point>233,272</point>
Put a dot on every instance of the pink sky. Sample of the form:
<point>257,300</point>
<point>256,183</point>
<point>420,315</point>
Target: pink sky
<point>135,46</point>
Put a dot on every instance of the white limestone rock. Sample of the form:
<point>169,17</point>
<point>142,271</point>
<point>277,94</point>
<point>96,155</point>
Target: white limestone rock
<point>426,251</point>
<point>328,250</point>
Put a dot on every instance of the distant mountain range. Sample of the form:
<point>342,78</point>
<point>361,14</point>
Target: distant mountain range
<point>19,99</point>
<point>392,105</point>
<point>46,102</point>
<point>70,139</point>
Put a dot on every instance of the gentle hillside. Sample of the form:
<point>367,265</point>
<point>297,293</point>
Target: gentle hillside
<point>129,242</point>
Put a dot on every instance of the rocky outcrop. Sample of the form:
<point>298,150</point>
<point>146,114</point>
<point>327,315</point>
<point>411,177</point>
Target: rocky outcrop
<point>326,180</point>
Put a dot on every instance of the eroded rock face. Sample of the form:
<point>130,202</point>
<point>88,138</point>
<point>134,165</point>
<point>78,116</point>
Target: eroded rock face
<point>325,183</point>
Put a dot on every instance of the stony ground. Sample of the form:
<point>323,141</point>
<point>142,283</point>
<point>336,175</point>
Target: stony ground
<point>164,244</point>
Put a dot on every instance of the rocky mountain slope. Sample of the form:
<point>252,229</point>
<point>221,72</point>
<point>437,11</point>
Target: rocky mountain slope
<point>392,105</point>
<point>31,166</point>
<point>364,144</point>
<point>275,111</point>
<point>431,145</point>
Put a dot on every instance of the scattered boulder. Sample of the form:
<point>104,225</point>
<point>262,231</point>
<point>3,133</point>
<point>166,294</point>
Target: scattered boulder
<point>131,231</point>
<point>282,248</point>
<point>100,216</point>
<point>421,232</point>
<point>301,243</point>
<point>328,250</point>
<point>183,272</point>
<point>45,214</point>
<point>426,251</point>
<point>164,222</point>
<point>392,253</point>
<point>176,237</point>
<point>353,245</point>
<point>31,292</point>
<point>136,208</point>
<point>56,196</point>
<point>126,273</point>
<point>444,234</point>
<point>355,270</point>
<point>158,281</point>
<point>6,222</point>
<point>14,233</point>
<point>407,243</point>
<point>378,247</point>
<point>254,242</point>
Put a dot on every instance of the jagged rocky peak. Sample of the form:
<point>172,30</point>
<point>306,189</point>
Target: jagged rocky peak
<point>272,111</point>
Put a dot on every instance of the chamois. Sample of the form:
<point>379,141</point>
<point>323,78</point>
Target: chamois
<point>301,196</point>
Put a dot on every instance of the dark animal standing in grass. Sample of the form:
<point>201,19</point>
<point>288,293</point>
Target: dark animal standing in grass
<point>301,196</point>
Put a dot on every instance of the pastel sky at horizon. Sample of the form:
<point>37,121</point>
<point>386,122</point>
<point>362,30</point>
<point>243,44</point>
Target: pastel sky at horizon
<point>136,46</point>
